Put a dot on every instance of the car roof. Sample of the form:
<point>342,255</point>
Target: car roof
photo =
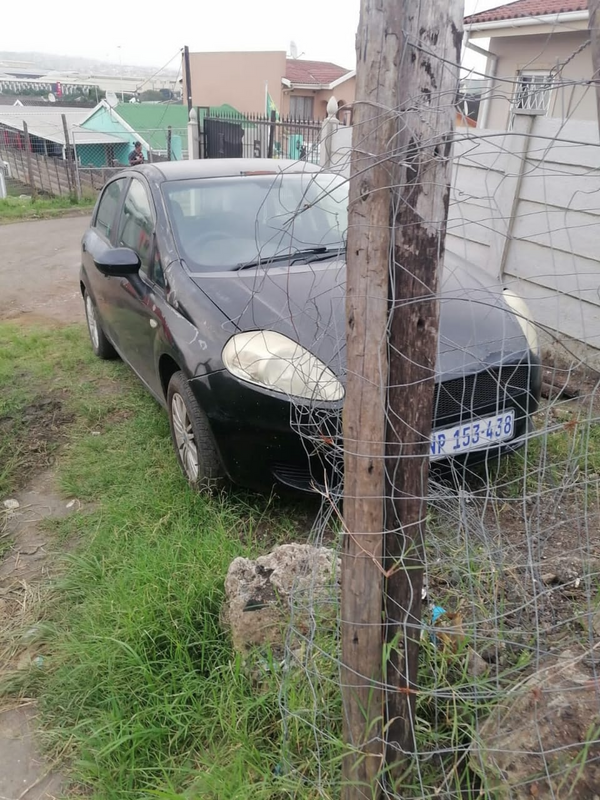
<point>223,167</point>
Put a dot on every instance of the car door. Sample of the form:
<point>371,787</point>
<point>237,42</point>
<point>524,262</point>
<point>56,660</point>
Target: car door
<point>137,316</point>
<point>100,235</point>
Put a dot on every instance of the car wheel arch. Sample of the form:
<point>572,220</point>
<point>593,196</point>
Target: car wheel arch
<point>167,367</point>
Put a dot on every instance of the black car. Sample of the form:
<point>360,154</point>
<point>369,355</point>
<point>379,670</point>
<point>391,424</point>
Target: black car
<point>222,284</point>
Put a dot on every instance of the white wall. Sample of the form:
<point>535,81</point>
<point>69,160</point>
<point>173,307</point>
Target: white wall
<point>525,207</point>
<point>574,97</point>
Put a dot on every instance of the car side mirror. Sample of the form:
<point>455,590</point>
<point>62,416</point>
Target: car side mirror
<point>118,262</point>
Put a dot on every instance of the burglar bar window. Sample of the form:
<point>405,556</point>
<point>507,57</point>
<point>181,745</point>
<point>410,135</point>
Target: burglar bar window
<point>533,91</point>
<point>301,108</point>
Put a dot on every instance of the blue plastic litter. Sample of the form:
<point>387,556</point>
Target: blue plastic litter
<point>436,613</point>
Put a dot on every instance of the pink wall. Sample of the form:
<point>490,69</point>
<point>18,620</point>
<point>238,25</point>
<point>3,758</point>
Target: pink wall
<point>237,78</point>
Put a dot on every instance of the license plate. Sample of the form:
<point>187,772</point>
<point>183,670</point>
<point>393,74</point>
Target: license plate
<point>472,435</point>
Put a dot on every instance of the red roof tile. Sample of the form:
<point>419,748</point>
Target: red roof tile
<point>316,72</point>
<point>527,8</point>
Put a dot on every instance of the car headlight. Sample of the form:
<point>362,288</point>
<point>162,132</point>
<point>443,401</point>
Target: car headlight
<point>523,315</point>
<point>269,359</point>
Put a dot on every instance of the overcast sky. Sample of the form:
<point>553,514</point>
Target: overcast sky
<point>150,35</point>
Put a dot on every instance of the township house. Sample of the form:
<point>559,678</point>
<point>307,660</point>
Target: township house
<point>254,82</point>
<point>47,134</point>
<point>538,58</point>
<point>148,123</point>
<point>102,136</point>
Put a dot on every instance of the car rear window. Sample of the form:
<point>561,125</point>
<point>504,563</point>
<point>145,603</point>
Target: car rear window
<point>221,223</point>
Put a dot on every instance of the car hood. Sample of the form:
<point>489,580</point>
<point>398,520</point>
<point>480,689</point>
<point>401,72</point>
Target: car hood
<point>307,304</point>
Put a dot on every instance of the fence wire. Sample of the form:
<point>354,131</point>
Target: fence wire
<point>507,701</point>
<point>507,696</point>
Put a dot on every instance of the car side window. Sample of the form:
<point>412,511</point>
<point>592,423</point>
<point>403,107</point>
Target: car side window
<point>136,229</point>
<point>107,208</point>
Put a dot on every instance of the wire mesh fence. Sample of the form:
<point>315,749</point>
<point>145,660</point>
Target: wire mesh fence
<point>74,152</point>
<point>506,696</point>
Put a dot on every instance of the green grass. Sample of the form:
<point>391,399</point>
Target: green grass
<point>13,209</point>
<point>140,687</point>
<point>47,379</point>
<point>564,449</point>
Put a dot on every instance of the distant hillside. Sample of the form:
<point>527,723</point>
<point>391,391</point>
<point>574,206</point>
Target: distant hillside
<point>34,60</point>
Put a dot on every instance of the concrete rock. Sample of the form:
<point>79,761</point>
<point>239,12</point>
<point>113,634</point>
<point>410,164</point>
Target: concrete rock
<point>532,743</point>
<point>262,595</point>
<point>476,665</point>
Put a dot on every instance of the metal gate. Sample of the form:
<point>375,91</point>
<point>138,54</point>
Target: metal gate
<point>251,136</point>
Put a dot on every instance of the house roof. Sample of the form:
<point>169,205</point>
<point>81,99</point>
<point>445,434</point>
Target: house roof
<point>151,121</point>
<point>527,8</point>
<point>46,123</point>
<point>41,102</point>
<point>317,73</point>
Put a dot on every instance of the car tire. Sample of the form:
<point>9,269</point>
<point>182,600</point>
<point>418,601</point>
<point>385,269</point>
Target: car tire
<point>191,435</point>
<point>100,344</point>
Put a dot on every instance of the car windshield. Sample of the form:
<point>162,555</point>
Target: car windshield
<point>226,223</point>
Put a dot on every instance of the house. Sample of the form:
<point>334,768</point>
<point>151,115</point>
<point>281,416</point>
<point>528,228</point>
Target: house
<point>539,58</point>
<point>156,125</point>
<point>46,130</point>
<point>15,78</point>
<point>253,82</point>
<point>43,102</point>
<point>147,123</point>
<point>309,85</point>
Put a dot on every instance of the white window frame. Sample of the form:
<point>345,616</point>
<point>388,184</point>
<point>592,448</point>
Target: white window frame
<point>536,100</point>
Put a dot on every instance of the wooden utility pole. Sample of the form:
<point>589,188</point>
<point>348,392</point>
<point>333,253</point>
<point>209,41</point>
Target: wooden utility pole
<point>368,251</point>
<point>29,164</point>
<point>428,80</point>
<point>68,156</point>
<point>594,26</point>
<point>407,81</point>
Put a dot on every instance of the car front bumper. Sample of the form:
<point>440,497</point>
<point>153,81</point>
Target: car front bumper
<point>264,439</point>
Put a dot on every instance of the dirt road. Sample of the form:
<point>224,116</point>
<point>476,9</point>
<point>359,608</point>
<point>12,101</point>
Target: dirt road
<point>39,265</point>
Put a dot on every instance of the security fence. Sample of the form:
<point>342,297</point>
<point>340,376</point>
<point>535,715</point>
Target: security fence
<point>53,152</point>
<point>58,153</point>
<point>256,136</point>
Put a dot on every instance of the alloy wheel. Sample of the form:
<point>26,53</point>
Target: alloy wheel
<point>90,313</point>
<point>184,437</point>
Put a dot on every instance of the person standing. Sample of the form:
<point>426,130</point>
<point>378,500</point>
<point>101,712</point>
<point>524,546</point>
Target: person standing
<point>136,156</point>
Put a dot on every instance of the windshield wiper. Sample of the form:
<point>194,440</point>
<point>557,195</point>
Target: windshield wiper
<point>310,253</point>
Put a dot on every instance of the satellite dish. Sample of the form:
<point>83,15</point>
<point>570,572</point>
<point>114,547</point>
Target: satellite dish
<point>293,50</point>
<point>51,98</point>
<point>112,99</point>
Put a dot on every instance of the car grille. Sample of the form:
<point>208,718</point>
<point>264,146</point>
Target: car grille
<point>298,477</point>
<point>485,393</point>
<point>492,389</point>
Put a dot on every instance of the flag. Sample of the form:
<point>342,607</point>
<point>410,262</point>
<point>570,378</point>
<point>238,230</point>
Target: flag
<point>271,106</point>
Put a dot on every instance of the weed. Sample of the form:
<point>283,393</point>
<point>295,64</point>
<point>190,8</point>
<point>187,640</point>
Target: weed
<point>140,683</point>
<point>141,689</point>
<point>13,209</point>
